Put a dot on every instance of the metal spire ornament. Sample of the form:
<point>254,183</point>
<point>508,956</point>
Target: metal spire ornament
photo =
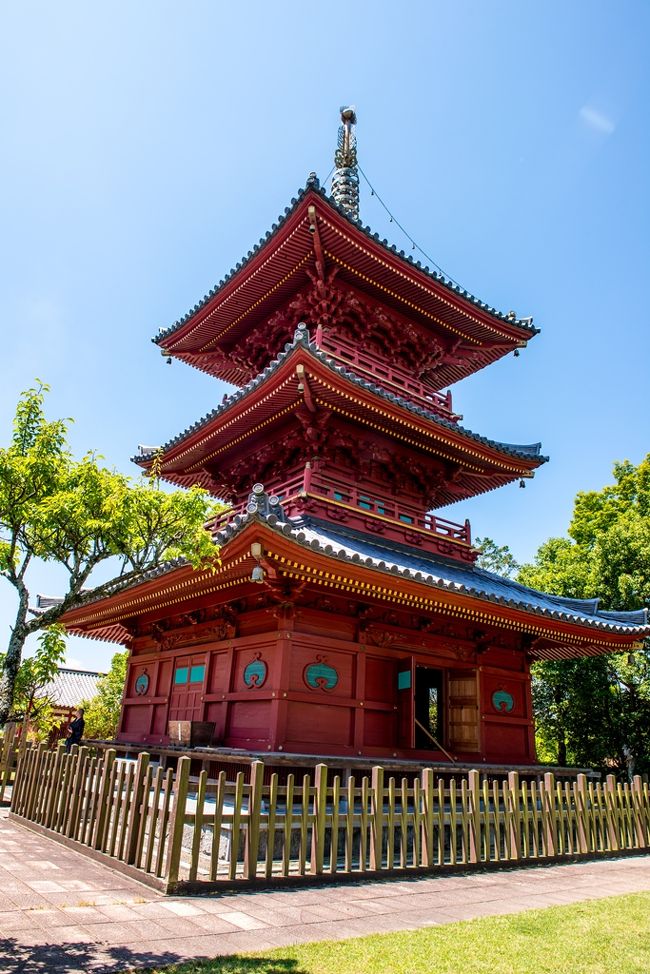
<point>345,181</point>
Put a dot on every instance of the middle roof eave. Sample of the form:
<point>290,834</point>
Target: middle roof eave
<point>273,388</point>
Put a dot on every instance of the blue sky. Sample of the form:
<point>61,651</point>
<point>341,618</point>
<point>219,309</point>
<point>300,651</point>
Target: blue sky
<point>147,147</point>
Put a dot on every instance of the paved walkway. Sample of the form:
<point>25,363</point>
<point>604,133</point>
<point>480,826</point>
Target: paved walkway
<point>62,913</point>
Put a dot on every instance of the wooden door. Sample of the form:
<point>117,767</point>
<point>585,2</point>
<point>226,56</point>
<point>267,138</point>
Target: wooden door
<point>405,682</point>
<point>188,681</point>
<point>463,711</point>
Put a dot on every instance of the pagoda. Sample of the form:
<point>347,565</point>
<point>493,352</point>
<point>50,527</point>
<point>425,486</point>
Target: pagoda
<point>346,618</point>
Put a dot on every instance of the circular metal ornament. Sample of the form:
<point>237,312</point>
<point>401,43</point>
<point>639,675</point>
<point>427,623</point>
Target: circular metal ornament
<point>273,500</point>
<point>320,676</point>
<point>251,508</point>
<point>258,488</point>
<point>502,701</point>
<point>255,672</point>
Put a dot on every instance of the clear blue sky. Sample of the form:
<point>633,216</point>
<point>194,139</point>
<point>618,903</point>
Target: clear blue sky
<point>146,147</point>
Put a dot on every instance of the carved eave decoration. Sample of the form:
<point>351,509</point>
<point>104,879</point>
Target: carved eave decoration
<point>223,453</point>
<point>318,262</point>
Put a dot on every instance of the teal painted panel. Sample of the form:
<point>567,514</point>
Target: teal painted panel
<point>502,701</point>
<point>180,676</point>
<point>404,680</point>
<point>320,676</point>
<point>196,674</point>
<point>255,673</point>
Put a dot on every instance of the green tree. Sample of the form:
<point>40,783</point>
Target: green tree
<point>102,712</point>
<point>496,558</point>
<point>597,710</point>
<point>31,702</point>
<point>81,516</point>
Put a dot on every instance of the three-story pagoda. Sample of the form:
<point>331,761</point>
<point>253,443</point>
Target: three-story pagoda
<point>346,618</point>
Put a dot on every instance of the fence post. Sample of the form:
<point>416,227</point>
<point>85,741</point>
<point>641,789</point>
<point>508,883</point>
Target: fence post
<point>105,801</point>
<point>8,750</point>
<point>377,817</point>
<point>175,840</point>
<point>514,797</point>
<point>474,788</point>
<point>550,832</point>
<point>581,799</point>
<point>20,782</point>
<point>252,835</point>
<point>320,821</point>
<point>36,781</point>
<point>638,812</point>
<point>427,817</point>
<point>612,814</point>
<point>137,810</point>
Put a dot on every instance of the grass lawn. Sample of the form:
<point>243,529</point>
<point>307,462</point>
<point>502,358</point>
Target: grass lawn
<point>610,936</point>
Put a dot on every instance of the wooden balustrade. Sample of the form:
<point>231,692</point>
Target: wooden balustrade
<point>389,376</point>
<point>187,833</point>
<point>359,500</point>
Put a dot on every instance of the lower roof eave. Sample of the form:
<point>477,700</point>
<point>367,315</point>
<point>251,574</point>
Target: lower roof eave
<point>553,635</point>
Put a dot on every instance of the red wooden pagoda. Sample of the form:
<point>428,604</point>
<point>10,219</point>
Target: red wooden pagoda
<point>347,618</point>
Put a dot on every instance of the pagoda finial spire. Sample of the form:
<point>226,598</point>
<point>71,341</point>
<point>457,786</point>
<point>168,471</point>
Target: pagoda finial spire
<point>345,181</point>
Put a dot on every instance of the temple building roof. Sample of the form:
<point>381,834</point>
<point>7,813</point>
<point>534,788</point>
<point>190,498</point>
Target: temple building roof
<point>279,265</point>
<point>70,687</point>
<point>182,456</point>
<point>562,627</point>
<point>353,546</point>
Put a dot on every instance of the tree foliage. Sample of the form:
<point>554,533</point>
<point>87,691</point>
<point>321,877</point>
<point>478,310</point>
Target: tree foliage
<point>596,711</point>
<point>102,712</point>
<point>81,515</point>
<point>32,703</point>
<point>496,558</point>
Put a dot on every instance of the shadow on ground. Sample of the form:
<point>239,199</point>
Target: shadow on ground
<point>17,958</point>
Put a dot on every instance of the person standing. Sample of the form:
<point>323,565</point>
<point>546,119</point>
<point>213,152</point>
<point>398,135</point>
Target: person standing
<point>75,730</point>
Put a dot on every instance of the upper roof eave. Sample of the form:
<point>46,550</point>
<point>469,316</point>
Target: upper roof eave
<point>413,267</point>
<point>529,452</point>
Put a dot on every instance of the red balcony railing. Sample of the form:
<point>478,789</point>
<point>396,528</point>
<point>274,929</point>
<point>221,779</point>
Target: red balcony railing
<point>394,379</point>
<point>359,500</point>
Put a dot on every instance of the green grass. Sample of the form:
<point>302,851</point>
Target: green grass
<point>608,936</point>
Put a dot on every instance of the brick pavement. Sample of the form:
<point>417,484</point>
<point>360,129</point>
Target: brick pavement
<point>61,912</point>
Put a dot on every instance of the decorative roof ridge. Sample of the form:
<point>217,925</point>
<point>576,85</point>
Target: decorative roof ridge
<point>70,669</point>
<point>639,616</point>
<point>523,451</point>
<point>313,185</point>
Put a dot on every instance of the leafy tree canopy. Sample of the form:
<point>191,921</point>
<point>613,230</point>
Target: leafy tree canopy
<point>102,712</point>
<point>597,711</point>
<point>80,515</point>
<point>496,558</point>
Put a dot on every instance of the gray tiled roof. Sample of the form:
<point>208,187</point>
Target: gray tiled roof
<point>523,451</point>
<point>401,560</point>
<point>70,687</point>
<point>390,248</point>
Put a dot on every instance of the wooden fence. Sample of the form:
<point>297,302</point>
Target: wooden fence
<point>186,833</point>
<point>11,745</point>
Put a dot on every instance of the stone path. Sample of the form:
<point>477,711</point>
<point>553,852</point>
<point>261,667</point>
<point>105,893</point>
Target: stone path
<point>62,913</point>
